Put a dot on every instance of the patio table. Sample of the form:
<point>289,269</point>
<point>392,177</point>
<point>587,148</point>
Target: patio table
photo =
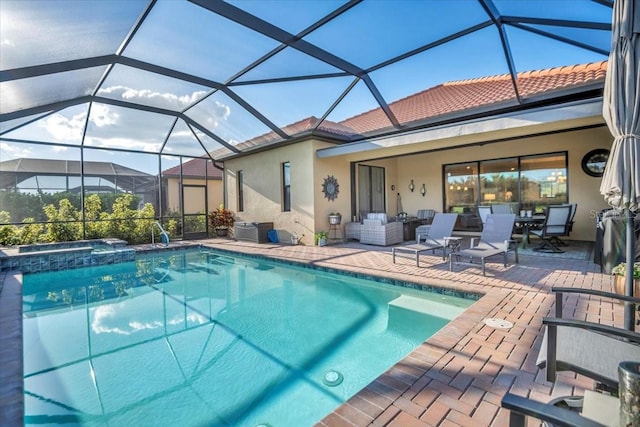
<point>527,222</point>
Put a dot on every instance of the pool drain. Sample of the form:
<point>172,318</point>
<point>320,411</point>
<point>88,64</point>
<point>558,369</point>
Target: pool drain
<point>498,323</point>
<point>332,378</point>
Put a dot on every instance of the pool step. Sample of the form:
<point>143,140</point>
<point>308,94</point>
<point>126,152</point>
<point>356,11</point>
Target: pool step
<point>424,306</point>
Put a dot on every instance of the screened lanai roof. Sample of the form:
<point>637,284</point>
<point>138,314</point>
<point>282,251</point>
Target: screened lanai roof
<point>16,171</point>
<point>205,77</point>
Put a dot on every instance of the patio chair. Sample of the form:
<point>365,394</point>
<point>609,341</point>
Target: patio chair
<point>591,349</point>
<point>483,211</point>
<point>501,208</point>
<point>552,415</point>
<point>376,230</point>
<point>556,239</point>
<point>441,227</point>
<point>555,224</point>
<point>494,240</point>
<point>426,216</point>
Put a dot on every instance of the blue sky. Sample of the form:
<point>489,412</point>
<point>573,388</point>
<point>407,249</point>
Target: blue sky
<point>181,36</point>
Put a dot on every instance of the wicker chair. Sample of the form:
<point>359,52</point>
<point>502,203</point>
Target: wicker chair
<point>376,230</point>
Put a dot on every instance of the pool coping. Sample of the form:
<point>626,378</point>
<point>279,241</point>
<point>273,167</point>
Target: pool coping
<point>11,351</point>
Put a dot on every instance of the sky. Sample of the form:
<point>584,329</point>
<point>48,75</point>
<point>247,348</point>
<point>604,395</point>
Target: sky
<point>186,38</point>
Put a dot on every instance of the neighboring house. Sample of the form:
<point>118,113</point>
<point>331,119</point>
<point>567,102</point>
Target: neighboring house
<point>201,190</point>
<point>484,149</point>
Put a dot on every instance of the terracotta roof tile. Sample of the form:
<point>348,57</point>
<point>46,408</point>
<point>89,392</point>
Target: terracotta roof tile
<point>446,98</point>
<point>472,93</point>
<point>195,168</point>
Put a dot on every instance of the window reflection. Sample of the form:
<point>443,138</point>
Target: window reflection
<point>528,182</point>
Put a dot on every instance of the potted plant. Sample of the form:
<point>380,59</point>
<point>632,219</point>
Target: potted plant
<point>619,280</point>
<point>295,239</point>
<point>221,220</point>
<point>321,238</point>
<point>335,218</point>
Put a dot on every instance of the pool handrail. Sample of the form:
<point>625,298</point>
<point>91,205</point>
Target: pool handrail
<point>164,236</point>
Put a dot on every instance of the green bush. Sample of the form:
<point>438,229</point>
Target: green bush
<point>64,222</point>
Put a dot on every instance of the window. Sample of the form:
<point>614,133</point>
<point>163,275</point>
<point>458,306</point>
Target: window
<point>240,181</point>
<point>527,182</point>
<point>461,192</point>
<point>543,180</point>
<point>286,187</point>
<point>499,181</point>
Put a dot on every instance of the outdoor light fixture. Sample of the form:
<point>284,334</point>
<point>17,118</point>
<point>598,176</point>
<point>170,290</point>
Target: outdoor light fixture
<point>411,186</point>
<point>423,190</point>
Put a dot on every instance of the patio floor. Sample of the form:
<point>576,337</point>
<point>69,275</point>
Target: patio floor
<point>458,377</point>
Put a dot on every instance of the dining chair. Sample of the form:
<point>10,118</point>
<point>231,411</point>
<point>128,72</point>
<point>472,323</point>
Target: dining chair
<point>555,224</point>
<point>556,239</point>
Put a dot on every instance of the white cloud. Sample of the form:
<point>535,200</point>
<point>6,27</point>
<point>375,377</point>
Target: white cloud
<point>7,42</point>
<point>146,96</point>
<point>102,115</point>
<point>129,144</point>
<point>14,151</point>
<point>63,128</point>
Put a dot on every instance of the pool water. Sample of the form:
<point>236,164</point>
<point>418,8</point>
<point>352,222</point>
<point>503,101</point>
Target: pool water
<point>198,337</point>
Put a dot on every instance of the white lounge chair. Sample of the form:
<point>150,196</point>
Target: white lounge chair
<point>494,240</point>
<point>441,227</point>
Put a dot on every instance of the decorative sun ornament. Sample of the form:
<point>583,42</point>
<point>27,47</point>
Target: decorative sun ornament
<point>330,187</point>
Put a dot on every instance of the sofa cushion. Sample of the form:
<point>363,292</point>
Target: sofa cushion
<point>381,216</point>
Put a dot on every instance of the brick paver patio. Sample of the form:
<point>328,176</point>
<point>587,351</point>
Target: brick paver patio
<point>458,376</point>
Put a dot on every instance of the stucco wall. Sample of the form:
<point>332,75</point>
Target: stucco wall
<point>309,209</point>
<point>262,176</point>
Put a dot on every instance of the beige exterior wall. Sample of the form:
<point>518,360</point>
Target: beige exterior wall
<point>583,189</point>
<point>263,197</point>
<point>309,210</point>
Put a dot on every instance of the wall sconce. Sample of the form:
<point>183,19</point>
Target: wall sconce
<point>423,190</point>
<point>411,186</point>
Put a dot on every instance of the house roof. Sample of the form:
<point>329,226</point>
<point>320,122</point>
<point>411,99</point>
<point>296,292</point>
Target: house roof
<point>450,97</point>
<point>468,94</point>
<point>195,168</point>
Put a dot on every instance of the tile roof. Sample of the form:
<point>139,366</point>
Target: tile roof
<point>195,168</point>
<point>472,93</point>
<point>446,98</point>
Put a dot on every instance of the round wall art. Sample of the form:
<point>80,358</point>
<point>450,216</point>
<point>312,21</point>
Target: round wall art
<point>330,187</point>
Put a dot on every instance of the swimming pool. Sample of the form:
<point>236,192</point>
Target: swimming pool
<point>199,337</point>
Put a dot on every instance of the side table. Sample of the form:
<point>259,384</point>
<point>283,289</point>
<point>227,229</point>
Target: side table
<point>452,245</point>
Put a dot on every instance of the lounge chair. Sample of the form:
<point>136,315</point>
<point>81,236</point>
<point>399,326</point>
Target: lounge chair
<point>483,211</point>
<point>591,349</point>
<point>441,227</point>
<point>494,240</point>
